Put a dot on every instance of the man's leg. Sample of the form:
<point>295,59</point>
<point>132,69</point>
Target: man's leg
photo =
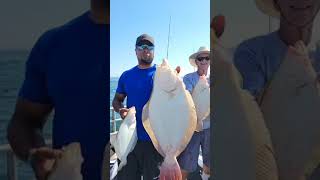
<point>151,160</point>
<point>131,169</point>
<point>188,159</point>
<point>205,147</point>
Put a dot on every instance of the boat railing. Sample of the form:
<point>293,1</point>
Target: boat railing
<point>114,120</point>
<point>12,160</point>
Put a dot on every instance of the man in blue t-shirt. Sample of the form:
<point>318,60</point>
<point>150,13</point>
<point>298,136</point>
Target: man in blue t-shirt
<point>67,70</point>
<point>136,85</point>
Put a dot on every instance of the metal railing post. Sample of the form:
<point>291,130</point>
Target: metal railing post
<point>114,121</point>
<point>11,166</point>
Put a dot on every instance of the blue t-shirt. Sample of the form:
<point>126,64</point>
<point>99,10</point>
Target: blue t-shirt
<point>69,68</point>
<point>137,84</point>
<point>257,60</point>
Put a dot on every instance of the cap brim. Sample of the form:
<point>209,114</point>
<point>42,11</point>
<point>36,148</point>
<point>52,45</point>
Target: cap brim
<point>143,42</point>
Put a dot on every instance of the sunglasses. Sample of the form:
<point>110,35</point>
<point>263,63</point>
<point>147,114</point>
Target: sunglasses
<point>203,58</point>
<point>142,47</point>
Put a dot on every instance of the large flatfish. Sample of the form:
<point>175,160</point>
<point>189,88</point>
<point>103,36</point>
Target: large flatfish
<point>290,106</point>
<point>69,165</point>
<point>126,138</point>
<point>201,99</point>
<point>169,118</point>
<point>242,149</point>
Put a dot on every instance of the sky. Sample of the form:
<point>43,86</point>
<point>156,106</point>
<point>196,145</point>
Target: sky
<point>23,22</point>
<point>190,20</point>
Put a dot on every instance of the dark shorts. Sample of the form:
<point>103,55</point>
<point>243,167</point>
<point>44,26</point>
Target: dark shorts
<point>188,159</point>
<point>144,161</point>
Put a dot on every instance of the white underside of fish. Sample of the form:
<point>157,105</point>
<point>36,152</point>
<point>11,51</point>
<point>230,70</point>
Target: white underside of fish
<point>69,165</point>
<point>242,148</point>
<point>201,99</point>
<point>169,118</point>
<point>170,115</point>
<point>291,110</point>
<point>126,137</point>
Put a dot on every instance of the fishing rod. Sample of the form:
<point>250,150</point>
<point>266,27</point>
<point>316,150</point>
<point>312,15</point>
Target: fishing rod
<point>168,38</point>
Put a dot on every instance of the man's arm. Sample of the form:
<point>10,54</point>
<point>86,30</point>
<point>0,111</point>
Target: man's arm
<point>25,137</point>
<point>25,128</point>
<point>118,106</point>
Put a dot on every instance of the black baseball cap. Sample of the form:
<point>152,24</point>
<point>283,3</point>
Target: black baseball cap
<point>144,37</point>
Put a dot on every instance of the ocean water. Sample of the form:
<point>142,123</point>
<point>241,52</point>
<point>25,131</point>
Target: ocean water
<point>12,64</point>
<point>11,76</point>
<point>113,88</point>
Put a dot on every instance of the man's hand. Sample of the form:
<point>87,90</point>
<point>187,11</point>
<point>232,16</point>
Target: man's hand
<point>218,24</point>
<point>178,69</point>
<point>123,112</point>
<point>217,27</point>
<point>201,72</point>
<point>42,161</point>
<point>299,49</point>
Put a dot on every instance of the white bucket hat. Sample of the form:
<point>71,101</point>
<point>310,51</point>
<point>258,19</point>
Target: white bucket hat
<point>193,57</point>
<point>268,7</point>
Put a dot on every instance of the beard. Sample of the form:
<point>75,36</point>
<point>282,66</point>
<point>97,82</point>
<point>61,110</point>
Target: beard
<point>146,60</point>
